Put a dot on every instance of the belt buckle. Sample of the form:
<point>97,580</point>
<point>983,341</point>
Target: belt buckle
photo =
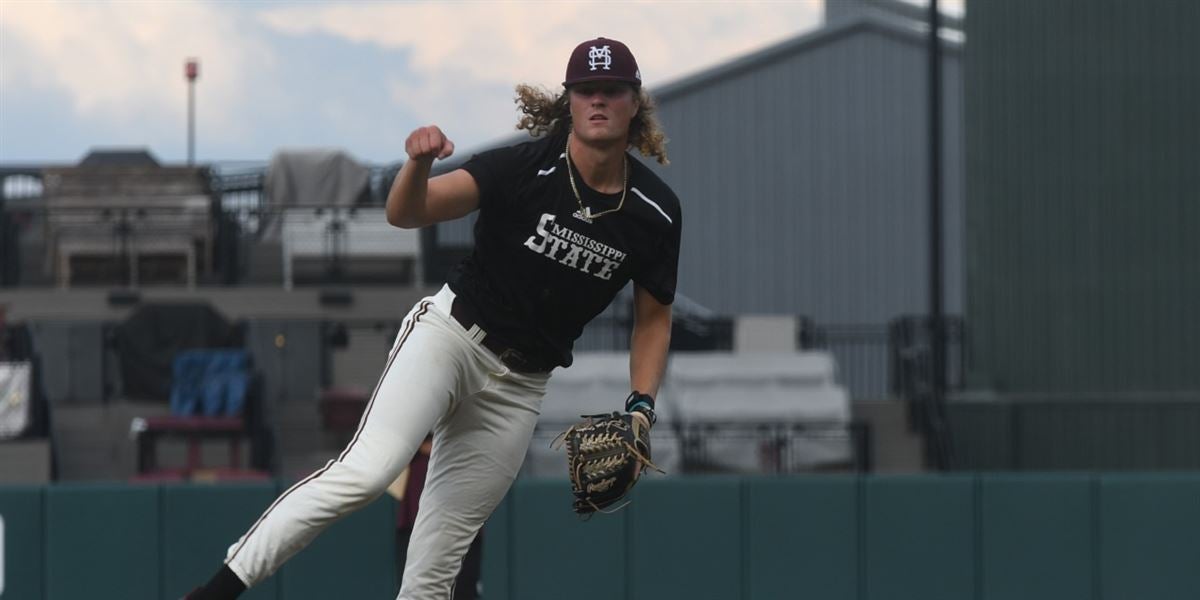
<point>512,358</point>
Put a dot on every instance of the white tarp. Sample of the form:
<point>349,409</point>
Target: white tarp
<point>796,393</point>
<point>758,387</point>
<point>15,400</point>
<point>732,392</point>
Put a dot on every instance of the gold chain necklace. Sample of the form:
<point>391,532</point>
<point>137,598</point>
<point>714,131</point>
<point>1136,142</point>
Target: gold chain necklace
<point>587,211</point>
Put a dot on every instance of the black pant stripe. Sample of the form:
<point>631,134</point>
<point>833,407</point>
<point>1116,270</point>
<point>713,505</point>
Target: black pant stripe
<point>395,352</point>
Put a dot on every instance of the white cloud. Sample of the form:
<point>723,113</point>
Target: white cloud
<point>463,59</point>
<point>124,61</point>
<point>530,41</point>
<point>102,73</point>
<point>458,110</point>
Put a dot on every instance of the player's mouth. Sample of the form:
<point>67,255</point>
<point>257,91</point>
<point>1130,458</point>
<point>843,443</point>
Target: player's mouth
<point>597,118</point>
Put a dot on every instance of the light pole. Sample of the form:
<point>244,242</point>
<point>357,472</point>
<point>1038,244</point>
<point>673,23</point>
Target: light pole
<point>941,455</point>
<point>191,70</point>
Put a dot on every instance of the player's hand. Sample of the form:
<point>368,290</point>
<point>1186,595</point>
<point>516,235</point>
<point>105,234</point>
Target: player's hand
<point>428,143</point>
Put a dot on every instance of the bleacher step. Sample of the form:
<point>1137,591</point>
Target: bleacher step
<point>897,449</point>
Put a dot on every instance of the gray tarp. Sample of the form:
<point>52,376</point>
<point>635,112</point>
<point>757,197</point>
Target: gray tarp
<point>312,177</point>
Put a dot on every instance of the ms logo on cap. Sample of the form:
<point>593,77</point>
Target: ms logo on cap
<point>600,57</point>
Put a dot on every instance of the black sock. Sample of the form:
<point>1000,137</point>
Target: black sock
<point>224,585</point>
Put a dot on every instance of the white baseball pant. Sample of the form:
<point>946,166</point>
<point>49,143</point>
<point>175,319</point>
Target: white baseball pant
<point>437,378</point>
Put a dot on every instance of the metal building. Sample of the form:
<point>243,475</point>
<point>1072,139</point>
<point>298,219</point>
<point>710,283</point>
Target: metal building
<point>803,175</point>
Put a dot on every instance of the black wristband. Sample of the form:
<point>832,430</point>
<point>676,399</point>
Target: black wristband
<point>643,403</point>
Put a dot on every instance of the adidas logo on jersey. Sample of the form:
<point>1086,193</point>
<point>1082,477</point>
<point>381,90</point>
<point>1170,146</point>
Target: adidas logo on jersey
<point>582,217</point>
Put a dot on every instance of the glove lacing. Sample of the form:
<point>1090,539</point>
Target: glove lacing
<point>599,443</point>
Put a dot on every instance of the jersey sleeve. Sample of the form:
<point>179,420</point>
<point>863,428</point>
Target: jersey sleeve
<point>658,275</point>
<point>492,171</point>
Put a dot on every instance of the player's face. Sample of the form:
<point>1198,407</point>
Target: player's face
<point>601,110</point>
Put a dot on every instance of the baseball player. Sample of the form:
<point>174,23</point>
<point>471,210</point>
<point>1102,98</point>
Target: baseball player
<point>565,222</point>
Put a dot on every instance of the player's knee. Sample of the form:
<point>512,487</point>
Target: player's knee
<point>379,485</point>
<point>358,486</point>
<point>371,485</point>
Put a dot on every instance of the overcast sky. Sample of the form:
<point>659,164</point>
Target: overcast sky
<point>357,75</point>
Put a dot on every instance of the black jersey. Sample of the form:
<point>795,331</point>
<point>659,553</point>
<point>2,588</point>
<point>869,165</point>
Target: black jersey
<point>540,269</point>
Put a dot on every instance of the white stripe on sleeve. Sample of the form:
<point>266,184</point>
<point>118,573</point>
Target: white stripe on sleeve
<point>652,203</point>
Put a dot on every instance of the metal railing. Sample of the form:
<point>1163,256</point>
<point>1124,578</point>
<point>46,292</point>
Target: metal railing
<point>192,241</point>
<point>860,352</point>
<point>695,448</point>
<point>911,346</point>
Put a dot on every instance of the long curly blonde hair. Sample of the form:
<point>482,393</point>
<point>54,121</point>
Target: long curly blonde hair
<point>543,112</point>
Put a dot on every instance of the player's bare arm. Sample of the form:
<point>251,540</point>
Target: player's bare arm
<point>415,200</point>
<point>649,342</point>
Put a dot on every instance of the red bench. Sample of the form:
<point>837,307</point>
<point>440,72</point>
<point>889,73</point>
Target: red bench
<point>194,430</point>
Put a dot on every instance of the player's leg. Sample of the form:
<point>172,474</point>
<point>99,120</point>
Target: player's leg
<point>415,390</point>
<point>467,581</point>
<point>477,453</point>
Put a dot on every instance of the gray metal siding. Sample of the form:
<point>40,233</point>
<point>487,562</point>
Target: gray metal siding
<point>804,184</point>
<point>1085,195</point>
<point>803,179</point>
<point>459,232</point>
<point>72,360</point>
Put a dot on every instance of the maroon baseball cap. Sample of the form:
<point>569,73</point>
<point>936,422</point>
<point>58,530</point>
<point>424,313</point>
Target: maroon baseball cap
<point>602,59</point>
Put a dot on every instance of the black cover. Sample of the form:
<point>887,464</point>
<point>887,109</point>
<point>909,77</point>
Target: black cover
<point>146,344</point>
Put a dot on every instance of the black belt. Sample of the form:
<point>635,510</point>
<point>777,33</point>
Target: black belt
<point>512,358</point>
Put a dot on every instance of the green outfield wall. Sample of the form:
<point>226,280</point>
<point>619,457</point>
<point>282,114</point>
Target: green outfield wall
<point>154,542</point>
<point>958,537</point>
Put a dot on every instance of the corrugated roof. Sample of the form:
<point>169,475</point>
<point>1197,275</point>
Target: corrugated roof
<point>119,157</point>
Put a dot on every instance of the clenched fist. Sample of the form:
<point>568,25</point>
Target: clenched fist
<point>428,143</point>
